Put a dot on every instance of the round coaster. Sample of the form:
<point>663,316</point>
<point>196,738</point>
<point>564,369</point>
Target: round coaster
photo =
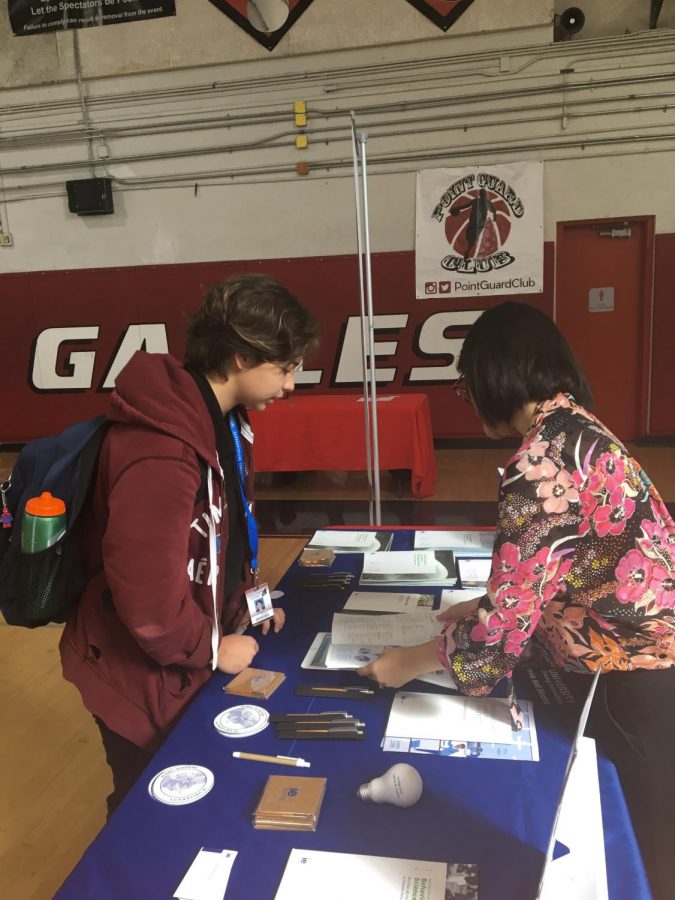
<point>277,595</point>
<point>179,785</point>
<point>241,721</point>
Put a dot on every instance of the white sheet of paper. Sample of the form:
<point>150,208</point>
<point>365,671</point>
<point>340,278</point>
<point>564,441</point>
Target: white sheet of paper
<point>581,873</point>
<point>207,877</point>
<point>398,630</point>
<point>351,656</point>
<point>451,598</point>
<point>474,571</point>
<point>356,539</point>
<point>334,876</point>
<point>478,542</point>
<point>444,717</point>
<point>400,562</point>
<point>383,601</point>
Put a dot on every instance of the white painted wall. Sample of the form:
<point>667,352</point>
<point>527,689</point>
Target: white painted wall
<point>199,34</point>
<point>606,132</point>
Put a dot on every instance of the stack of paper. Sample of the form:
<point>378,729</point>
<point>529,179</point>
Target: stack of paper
<point>464,543</point>
<point>290,803</point>
<point>419,567</point>
<point>352,541</point>
<point>334,876</point>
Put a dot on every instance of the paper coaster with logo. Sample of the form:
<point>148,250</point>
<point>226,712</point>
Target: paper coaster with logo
<point>179,785</point>
<point>241,721</point>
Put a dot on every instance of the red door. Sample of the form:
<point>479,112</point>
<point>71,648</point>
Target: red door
<point>603,307</point>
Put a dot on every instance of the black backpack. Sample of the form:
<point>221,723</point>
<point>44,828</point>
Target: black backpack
<point>42,587</point>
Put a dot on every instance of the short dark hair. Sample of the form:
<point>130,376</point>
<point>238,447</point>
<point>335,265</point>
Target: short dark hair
<point>252,315</point>
<point>514,354</point>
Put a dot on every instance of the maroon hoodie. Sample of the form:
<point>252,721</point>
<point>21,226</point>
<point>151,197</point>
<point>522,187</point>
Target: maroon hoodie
<point>143,638</point>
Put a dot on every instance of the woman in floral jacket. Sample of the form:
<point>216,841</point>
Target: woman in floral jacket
<point>583,572</point>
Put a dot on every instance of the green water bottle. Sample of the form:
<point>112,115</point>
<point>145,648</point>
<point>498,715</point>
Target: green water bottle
<point>44,523</point>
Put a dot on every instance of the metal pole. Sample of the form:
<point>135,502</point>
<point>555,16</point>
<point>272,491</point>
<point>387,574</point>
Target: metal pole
<point>364,351</point>
<point>362,137</point>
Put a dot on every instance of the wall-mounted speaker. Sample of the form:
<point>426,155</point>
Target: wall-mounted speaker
<point>568,23</point>
<point>90,196</point>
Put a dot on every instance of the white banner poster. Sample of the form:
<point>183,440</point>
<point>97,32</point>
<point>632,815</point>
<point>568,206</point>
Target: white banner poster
<point>480,231</point>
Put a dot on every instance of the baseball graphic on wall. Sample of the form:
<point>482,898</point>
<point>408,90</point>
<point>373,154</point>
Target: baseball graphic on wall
<point>267,15</point>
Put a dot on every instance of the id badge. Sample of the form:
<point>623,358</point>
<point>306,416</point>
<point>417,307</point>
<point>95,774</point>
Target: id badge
<point>259,603</point>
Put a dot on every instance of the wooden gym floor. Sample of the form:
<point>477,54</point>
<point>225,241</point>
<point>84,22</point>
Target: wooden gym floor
<point>55,778</point>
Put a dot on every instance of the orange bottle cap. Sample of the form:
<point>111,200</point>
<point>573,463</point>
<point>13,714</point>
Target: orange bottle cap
<point>45,505</point>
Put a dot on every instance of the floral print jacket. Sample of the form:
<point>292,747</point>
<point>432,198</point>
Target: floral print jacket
<point>583,571</point>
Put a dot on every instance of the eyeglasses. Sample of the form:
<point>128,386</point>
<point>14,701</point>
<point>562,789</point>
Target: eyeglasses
<point>460,388</point>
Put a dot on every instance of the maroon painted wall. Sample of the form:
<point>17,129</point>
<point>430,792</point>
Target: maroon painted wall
<point>112,299</point>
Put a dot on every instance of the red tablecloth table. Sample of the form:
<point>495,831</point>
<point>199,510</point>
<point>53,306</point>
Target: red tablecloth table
<point>326,432</point>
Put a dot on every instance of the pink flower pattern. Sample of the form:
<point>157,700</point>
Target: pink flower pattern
<point>584,560</point>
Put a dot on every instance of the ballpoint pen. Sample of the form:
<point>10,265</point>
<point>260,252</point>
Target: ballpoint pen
<point>341,690</point>
<point>279,760</point>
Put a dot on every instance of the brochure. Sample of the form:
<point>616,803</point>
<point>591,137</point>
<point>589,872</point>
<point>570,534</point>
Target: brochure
<point>333,876</point>
<point>398,630</point>
<point>451,725</point>
<point>470,543</point>
<point>522,746</point>
<point>415,567</point>
<point>387,602</point>
<point>352,541</point>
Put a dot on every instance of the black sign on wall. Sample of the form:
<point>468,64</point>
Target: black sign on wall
<point>442,12</point>
<point>38,16</point>
<point>265,20</point>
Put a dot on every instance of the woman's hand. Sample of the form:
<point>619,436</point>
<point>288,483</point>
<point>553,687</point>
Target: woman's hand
<point>279,618</point>
<point>458,610</point>
<point>236,652</point>
<point>399,665</point>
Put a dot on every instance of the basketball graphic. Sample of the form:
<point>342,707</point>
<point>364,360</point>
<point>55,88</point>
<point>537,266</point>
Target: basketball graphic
<point>477,223</point>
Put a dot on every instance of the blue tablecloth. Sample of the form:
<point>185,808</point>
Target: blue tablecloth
<point>495,813</point>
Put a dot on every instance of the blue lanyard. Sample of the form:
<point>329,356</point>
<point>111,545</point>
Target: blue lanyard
<point>241,469</point>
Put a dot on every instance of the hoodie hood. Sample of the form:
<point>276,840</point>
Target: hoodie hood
<point>154,390</point>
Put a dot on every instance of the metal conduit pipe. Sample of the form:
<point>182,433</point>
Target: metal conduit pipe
<point>288,174</point>
<point>75,134</point>
<point>549,90</point>
<point>326,136</point>
<point>573,109</point>
<point>624,46</point>
<point>411,160</point>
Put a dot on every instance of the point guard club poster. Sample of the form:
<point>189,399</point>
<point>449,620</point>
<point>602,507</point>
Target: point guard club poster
<point>480,231</point>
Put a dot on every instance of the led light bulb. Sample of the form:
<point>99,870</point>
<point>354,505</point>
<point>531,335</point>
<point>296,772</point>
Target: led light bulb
<point>400,785</point>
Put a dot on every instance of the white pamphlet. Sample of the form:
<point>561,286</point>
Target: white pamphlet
<point>383,601</point>
<point>352,541</point>
<point>472,542</point>
<point>452,598</point>
<point>333,876</point>
<point>400,562</point>
<point>207,877</point>
<point>350,656</point>
<point>398,630</point>
<point>447,717</point>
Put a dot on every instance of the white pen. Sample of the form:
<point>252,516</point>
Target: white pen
<point>279,760</point>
